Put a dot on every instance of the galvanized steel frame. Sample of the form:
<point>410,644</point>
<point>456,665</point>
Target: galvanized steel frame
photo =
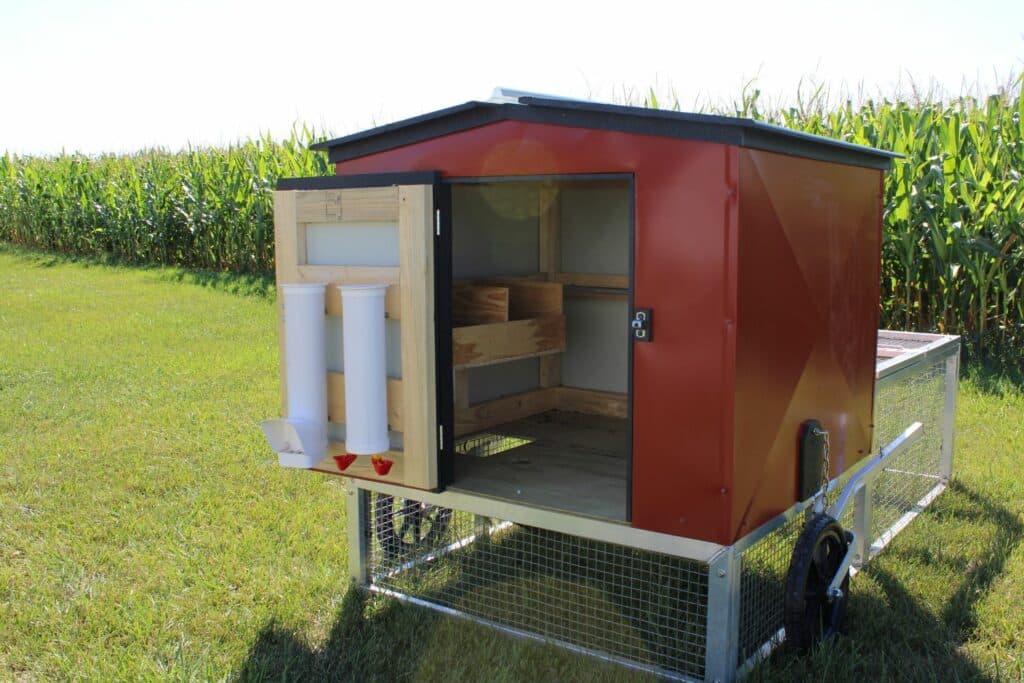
<point>724,566</point>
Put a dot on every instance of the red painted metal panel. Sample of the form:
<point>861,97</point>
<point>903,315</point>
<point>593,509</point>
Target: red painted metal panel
<point>808,288</point>
<point>682,387</point>
<point>762,271</point>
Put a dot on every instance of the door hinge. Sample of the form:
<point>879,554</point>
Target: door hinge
<point>437,222</point>
<point>440,437</point>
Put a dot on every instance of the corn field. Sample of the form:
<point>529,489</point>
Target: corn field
<point>203,208</point>
<point>952,254</point>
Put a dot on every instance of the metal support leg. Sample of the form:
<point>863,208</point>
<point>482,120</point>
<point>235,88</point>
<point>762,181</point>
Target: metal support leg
<point>358,523</point>
<point>862,503</point>
<point>723,622</point>
<point>949,415</point>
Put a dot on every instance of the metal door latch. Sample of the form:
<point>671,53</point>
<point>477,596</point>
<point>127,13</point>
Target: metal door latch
<point>641,324</point>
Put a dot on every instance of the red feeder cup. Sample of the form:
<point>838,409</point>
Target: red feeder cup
<point>380,465</point>
<point>343,461</point>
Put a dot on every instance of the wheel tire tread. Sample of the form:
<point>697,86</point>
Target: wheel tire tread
<point>801,633</point>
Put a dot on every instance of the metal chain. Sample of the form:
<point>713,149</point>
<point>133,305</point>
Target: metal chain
<point>823,494</point>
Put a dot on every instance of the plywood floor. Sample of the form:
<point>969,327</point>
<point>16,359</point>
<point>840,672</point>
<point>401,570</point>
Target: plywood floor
<point>573,462</point>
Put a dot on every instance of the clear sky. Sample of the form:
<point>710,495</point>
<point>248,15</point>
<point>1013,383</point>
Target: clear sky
<point>115,75</point>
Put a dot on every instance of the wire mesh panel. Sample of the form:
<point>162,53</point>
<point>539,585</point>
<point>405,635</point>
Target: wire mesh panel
<point>917,397</point>
<point>645,607</point>
<point>763,586</point>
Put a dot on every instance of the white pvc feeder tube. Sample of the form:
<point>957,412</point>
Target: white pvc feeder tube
<point>365,357</point>
<point>300,440</point>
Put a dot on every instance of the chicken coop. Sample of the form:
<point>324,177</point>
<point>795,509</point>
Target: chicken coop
<point>605,376</point>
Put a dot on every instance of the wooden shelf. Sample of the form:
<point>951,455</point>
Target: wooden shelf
<point>600,280</point>
<point>505,319</point>
<point>479,345</point>
<point>506,409</point>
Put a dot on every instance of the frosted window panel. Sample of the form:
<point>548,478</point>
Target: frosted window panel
<point>352,244</point>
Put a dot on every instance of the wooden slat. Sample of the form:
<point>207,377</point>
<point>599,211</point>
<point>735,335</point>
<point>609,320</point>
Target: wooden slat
<point>286,259</point>
<point>350,275</point>
<point>288,252</point>
<point>501,279</point>
<point>392,301</point>
<point>530,298</point>
<point>419,402</point>
<point>550,370</point>
<point>535,299</point>
<point>361,468</point>
<point>357,204</point>
<point>336,400</point>
<point>592,402</point>
<point>478,304</point>
<point>593,280</point>
<point>506,409</point>
<point>496,342</point>
<point>355,275</point>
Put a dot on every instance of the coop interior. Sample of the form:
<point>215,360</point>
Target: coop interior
<point>541,342</point>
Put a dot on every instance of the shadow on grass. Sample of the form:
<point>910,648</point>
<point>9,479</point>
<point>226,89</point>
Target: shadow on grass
<point>241,284</point>
<point>898,637</point>
<point>996,368</point>
<point>234,283</point>
<point>379,644</point>
<point>381,639</point>
<point>997,375</point>
<point>375,638</point>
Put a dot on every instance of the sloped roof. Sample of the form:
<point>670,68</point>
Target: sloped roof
<point>582,114</point>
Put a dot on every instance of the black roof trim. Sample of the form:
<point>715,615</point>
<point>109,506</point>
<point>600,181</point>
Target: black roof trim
<point>341,182</point>
<point>656,122</point>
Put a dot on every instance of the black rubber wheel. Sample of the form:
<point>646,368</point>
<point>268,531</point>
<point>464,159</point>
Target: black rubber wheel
<point>408,525</point>
<point>810,615</point>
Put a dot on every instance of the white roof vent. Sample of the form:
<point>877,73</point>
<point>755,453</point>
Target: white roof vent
<point>512,95</point>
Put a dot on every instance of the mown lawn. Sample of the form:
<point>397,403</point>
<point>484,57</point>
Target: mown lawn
<point>147,533</point>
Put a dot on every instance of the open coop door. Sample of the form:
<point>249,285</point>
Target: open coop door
<point>390,345</point>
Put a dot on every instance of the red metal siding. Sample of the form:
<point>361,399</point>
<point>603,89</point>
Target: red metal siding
<point>685,213</point>
<point>808,288</point>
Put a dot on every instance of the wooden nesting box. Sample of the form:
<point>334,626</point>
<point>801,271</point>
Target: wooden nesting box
<point>611,311</point>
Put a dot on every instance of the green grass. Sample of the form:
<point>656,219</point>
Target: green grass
<point>146,532</point>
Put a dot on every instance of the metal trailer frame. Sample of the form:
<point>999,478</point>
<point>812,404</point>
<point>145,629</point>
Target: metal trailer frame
<point>726,593</point>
